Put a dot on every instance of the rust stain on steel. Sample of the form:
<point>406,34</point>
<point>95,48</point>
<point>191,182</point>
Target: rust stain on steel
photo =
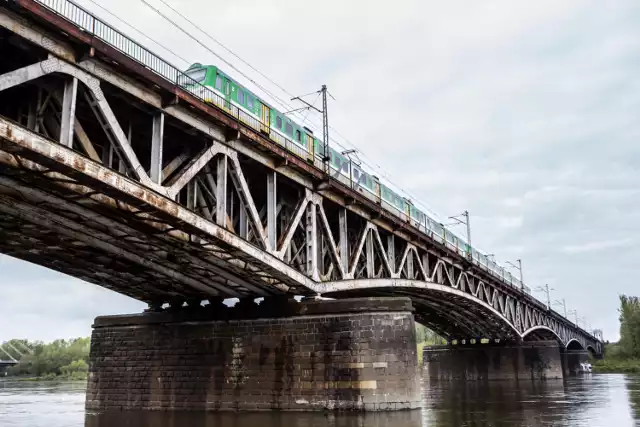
<point>79,162</point>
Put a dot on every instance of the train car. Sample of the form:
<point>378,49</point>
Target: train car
<point>418,218</point>
<point>394,200</point>
<point>250,108</point>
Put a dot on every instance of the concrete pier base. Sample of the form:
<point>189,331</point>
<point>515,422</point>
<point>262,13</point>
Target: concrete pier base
<point>357,354</point>
<point>539,360</point>
<point>571,360</point>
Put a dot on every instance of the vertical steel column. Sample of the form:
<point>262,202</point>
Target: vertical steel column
<point>68,112</point>
<point>272,236</point>
<point>425,265</point>
<point>312,241</point>
<point>157,137</point>
<point>32,118</point>
<point>322,252</point>
<point>410,271</point>
<point>121,165</point>
<point>344,241</point>
<point>221,192</point>
<point>242,218</point>
<point>391,253</point>
<point>192,195</point>
<point>107,155</point>
<point>370,256</point>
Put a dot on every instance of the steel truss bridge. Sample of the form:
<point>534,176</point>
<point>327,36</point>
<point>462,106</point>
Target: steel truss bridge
<point>11,353</point>
<point>112,173</point>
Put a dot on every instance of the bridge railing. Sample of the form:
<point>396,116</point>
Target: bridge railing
<point>91,24</point>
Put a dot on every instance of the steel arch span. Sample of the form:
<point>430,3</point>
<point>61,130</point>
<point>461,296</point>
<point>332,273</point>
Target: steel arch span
<point>457,312</point>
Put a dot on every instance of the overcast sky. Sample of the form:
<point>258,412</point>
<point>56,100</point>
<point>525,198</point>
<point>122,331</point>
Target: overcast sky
<point>525,113</point>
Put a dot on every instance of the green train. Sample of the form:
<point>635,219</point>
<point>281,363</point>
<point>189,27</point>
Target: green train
<point>212,85</point>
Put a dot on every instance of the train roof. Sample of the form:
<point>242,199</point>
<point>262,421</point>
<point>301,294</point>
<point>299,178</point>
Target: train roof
<point>197,65</point>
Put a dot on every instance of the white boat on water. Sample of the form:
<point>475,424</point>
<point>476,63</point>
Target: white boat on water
<point>584,368</point>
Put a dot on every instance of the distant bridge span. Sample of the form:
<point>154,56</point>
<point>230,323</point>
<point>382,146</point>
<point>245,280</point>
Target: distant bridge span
<point>112,173</point>
<point>469,310</point>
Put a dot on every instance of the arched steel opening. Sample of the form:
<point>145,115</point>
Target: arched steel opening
<point>542,333</point>
<point>574,344</point>
<point>449,312</point>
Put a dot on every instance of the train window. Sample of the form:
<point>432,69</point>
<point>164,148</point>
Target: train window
<point>289,129</point>
<point>279,122</point>
<point>198,75</point>
<point>250,101</point>
<point>240,96</point>
<point>298,136</point>
<point>218,82</point>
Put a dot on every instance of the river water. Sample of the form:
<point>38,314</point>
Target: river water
<point>594,400</point>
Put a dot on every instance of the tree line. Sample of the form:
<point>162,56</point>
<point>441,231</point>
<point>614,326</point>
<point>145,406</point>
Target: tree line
<point>59,359</point>
<point>624,356</point>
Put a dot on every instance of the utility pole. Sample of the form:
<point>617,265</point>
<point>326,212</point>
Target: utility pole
<point>575,312</point>
<point>519,267</point>
<point>325,129</point>
<point>547,291</point>
<point>563,303</point>
<point>325,122</point>
<point>466,222</point>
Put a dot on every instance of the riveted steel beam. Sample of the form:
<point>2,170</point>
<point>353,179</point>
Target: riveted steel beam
<point>67,121</point>
<point>272,205</point>
<point>157,142</point>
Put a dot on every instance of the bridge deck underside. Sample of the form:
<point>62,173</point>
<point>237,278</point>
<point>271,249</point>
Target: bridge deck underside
<point>59,222</point>
<point>451,316</point>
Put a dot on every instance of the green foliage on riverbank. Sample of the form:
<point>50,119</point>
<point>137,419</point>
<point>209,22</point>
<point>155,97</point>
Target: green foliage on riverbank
<point>60,359</point>
<point>627,366</point>
<point>624,356</point>
<point>426,337</point>
<point>616,361</point>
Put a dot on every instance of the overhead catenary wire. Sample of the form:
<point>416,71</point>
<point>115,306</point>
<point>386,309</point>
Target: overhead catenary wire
<point>213,39</point>
<point>157,43</point>
<point>192,37</point>
<point>247,63</point>
<point>365,159</point>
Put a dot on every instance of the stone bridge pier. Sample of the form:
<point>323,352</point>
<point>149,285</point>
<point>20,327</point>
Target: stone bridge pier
<point>525,360</point>
<point>529,360</point>
<point>354,354</point>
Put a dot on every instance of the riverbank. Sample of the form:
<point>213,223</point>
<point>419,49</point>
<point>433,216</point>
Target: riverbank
<point>74,377</point>
<point>617,366</point>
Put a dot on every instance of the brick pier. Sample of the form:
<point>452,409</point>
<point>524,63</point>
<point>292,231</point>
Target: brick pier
<point>539,360</point>
<point>357,354</point>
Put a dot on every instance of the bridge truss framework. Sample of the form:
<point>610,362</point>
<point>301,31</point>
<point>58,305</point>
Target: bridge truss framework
<point>112,176</point>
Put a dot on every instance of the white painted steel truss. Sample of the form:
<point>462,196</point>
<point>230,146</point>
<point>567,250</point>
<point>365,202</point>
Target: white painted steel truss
<point>184,210</point>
